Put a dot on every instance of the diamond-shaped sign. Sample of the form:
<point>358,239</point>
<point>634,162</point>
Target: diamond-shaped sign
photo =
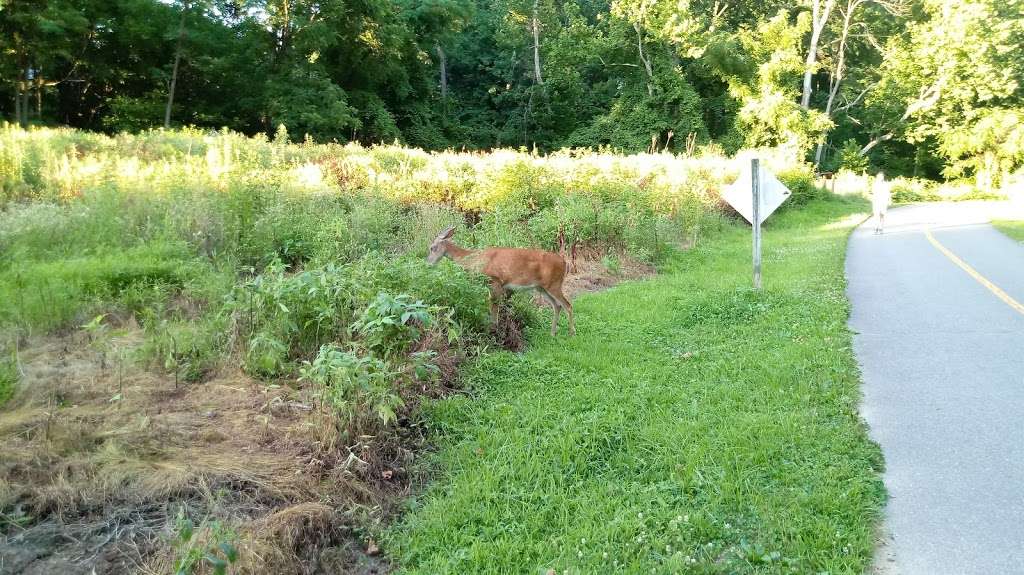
<point>740,196</point>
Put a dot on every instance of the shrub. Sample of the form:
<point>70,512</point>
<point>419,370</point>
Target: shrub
<point>285,316</point>
<point>390,323</point>
<point>359,389</point>
<point>800,181</point>
<point>851,159</point>
<point>906,190</point>
<point>445,285</point>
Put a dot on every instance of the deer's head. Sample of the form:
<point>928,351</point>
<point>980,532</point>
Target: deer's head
<point>439,248</point>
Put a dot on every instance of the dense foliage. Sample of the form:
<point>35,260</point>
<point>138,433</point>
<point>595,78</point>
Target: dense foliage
<point>216,243</point>
<point>917,87</point>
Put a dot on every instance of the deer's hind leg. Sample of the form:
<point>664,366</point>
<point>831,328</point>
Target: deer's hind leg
<point>556,293</point>
<point>497,297</point>
<point>556,309</point>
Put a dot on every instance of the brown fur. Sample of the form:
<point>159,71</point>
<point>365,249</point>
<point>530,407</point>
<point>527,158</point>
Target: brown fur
<point>511,268</point>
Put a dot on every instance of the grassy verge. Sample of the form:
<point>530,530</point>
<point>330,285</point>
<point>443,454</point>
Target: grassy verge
<point>1014,229</point>
<point>692,426</point>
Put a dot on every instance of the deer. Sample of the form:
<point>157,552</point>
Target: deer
<point>510,269</point>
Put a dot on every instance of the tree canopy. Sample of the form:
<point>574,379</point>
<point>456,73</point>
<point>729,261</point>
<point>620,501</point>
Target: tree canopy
<point>923,87</point>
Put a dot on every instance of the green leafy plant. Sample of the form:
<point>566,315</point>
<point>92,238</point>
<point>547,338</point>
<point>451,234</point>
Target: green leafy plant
<point>283,316</point>
<point>851,159</point>
<point>361,390</point>
<point>390,323</point>
<point>99,337</point>
<point>612,264</point>
<point>210,543</point>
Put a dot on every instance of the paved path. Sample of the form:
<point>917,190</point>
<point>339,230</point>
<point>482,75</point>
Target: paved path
<point>943,366</point>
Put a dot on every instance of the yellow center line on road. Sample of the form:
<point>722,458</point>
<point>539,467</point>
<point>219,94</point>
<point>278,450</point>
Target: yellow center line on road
<point>974,274</point>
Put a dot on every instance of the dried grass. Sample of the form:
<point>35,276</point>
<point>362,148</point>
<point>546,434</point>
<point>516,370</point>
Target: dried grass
<point>108,476</point>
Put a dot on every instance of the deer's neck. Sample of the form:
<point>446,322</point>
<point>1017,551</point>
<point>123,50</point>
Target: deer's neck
<point>462,256</point>
<point>457,253</point>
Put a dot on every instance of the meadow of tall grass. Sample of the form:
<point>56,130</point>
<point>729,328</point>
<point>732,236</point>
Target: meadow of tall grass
<point>189,231</point>
<point>220,245</point>
<point>129,224</point>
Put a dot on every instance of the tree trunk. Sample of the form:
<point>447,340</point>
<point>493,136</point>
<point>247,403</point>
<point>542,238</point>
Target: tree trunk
<point>39,96</point>
<point>174,70</point>
<point>817,154</point>
<point>25,96</point>
<point>443,62</point>
<point>644,60</point>
<point>819,16</point>
<point>17,104</point>
<point>875,142</point>
<point>536,46</point>
<point>837,77</point>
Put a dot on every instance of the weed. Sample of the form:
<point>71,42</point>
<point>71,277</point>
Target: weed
<point>612,264</point>
<point>211,544</point>
<point>188,349</point>
<point>360,389</point>
<point>9,376</point>
<point>390,323</point>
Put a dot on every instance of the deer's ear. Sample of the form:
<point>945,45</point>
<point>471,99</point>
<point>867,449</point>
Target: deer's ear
<point>448,233</point>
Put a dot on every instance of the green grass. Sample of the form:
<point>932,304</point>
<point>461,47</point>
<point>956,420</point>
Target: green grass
<point>1014,229</point>
<point>8,379</point>
<point>51,293</point>
<point>693,426</point>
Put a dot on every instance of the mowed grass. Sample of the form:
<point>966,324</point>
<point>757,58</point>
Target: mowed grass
<point>692,426</point>
<point>1012,228</point>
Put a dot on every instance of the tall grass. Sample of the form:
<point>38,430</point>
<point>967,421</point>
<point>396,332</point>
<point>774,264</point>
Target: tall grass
<point>214,242</point>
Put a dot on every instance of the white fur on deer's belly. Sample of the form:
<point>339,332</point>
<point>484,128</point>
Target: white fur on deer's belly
<point>517,287</point>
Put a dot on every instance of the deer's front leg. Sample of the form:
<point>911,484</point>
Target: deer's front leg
<point>497,296</point>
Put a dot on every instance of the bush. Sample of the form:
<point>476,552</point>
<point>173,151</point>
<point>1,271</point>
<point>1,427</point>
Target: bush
<point>389,324</point>
<point>358,388</point>
<point>800,181</point>
<point>851,159</point>
<point>285,316</point>
<point>907,190</point>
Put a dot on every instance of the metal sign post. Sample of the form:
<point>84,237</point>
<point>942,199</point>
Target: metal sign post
<point>755,195</point>
<point>755,181</point>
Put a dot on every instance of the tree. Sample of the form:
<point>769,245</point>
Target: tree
<point>435,23</point>
<point>177,60</point>
<point>953,74</point>
<point>38,38</point>
<point>819,17</point>
<point>855,27</point>
<point>934,88</point>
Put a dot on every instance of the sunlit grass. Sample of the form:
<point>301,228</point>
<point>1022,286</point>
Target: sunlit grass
<point>1012,228</point>
<point>692,426</point>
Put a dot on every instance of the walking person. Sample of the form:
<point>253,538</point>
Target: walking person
<point>880,198</point>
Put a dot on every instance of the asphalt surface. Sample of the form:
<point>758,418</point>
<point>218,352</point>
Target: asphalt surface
<point>942,359</point>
